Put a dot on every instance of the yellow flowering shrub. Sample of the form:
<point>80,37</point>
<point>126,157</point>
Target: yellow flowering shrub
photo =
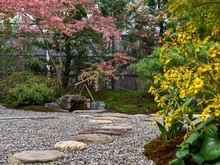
<point>198,76</point>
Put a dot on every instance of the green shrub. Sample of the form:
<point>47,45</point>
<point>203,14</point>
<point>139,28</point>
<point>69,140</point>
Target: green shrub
<point>26,88</point>
<point>31,94</point>
<point>25,77</point>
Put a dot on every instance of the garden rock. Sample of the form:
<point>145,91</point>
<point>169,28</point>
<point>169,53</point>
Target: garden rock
<point>53,106</point>
<point>100,121</point>
<point>74,102</point>
<point>44,156</point>
<point>92,138</point>
<point>69,145</point>
<point>117,127</point>
<point>109,118</point>
<point>117,132</point>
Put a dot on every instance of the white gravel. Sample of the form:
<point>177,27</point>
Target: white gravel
<point>26,130</point>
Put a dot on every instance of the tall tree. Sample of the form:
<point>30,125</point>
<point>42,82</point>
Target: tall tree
<point>156,8</point>
<point>45,18</point>
<point>139,32</point>
<point>204,15</point>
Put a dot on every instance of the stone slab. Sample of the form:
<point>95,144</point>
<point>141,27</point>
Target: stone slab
<point>92,138</point>
<point>116,132</point>
<point>44,156</point>
<point>86,116</point>
<point>28,117</point>
<point>115,115</point>
<point>117,127</point>
<point>100,121</point>
<point>69,146</point>
<point>109,118</point>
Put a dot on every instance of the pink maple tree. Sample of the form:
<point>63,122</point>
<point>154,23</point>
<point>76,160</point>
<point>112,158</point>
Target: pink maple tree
<point>43,18</point>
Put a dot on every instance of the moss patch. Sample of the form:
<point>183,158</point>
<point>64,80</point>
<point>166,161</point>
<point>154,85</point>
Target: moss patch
<point>125,101</point>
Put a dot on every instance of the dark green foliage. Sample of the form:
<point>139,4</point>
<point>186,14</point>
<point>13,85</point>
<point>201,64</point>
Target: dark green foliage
<point>36,66</point>
<point>25,88</point>
<point>202,145</point>
<point>148,68</point>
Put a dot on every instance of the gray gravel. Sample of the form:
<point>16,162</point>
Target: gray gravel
<point>26,130</point>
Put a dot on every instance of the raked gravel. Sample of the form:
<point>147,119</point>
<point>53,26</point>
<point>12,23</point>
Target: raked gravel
<point>26,130</point>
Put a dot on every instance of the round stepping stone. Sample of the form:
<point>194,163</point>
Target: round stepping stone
<point>44,156</point>
<point>109,118</point>
<point>69,145</point>
<point>92,138</point>
<point>116,127</point>
<point>100,121</point>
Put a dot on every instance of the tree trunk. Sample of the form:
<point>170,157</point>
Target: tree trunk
<point>67,65</point>
<point>113,64</point>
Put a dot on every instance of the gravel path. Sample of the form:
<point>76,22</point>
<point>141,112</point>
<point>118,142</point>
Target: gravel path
<point>24,130</point>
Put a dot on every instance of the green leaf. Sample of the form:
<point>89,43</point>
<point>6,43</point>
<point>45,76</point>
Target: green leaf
<point>197,157</point>
<point>202,124</point>
<point>182,153</point>
<point>162,130</point>
<point>218,163</point>
<point>177,162</point>
<point>211,143</point>
<point>192,138</point>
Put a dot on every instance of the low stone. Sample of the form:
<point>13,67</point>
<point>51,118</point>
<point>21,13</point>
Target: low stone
<point>152,115</point>
<point>140,115</point>
<point>73,102</point>
<point>86,116</point>
<point>92,138</point>
<point>115,115</point>
<point>116,127</point>
<point>44,156</point>
<point>53,106</point>
<point>109,118</point>
<point>69,145</point>
<point>100,121</point>
<point>118,132</point>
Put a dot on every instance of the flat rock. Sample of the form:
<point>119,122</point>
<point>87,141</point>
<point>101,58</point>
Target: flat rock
<point>44,156</point>
<point>108,118</point>
<point>69,145</point>
<point>100,121</point>
<point>92,138</point>
<point>86,116</point>
<point>106,131</point>
<point>115,115</point>
<point>54,106</point>
<point>141,115</point>
<point>117,127</point>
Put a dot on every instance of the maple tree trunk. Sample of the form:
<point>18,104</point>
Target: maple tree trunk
<point>67,65</point>
<point>113,64</point>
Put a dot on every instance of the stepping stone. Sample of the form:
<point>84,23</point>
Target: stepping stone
<point>115,115</point>
<point>69,145</point>
<point>100,121</point>
<point>92,138</point>
<point>109,118</point>
<point>141,115</point>
<point>116,127</point>
<point>44,156</point>
<point>106,131</point>
<point>86,116</point>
